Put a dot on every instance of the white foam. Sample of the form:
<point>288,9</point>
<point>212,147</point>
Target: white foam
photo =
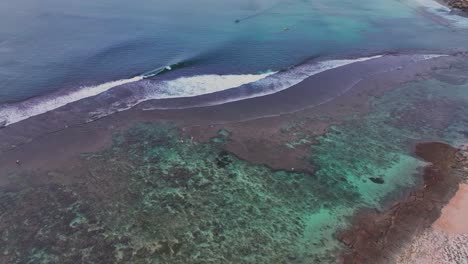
<point>443,11</point>
<point>258,84</point>
<point>197,85</point>
<point>428,57</point>
<point>268,84</point>
<point>284,80</point>
<point>182,87</point>
<point>433,5</point>
<point>14,113</point>
<point>279,81</point>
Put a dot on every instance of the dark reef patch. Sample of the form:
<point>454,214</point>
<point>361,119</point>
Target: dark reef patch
<point>376,238</point>
<point>223,159</point>
<point>164,194</point>
<point>377,180</point>
<point>157,196</point>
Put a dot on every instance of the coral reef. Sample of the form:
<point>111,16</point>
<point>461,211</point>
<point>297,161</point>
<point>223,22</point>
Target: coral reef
<point>159,196</point>
<point>447,240</point>
<point>377,238</point>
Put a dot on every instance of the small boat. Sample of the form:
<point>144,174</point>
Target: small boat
<point>3,123</point>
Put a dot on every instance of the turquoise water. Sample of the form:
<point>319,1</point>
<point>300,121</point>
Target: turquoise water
<point>158,196</point>
<point>58,46</point>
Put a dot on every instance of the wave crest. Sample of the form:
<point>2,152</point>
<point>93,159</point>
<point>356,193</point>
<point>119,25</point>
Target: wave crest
<point>139,89</point>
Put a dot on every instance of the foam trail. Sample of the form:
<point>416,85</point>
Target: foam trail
<point>161,70</point>
<point>269,83</point>
<point>145,89</point>
<point>259,84</point>
<point>180,88</point>
<point>439,9</point>
<point>14,113</point>
<point>198,85</point>
<point>431,56</point>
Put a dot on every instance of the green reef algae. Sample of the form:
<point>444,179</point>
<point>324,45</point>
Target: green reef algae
<point>372,154</point>
<point>360,163</point>
<point>46,225</point>
<point>158,196</point>
<point>213,206</point>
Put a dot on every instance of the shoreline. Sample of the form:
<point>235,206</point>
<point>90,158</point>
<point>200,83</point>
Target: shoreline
<point>454,213</point>
<point>446,240</point>
<point>380,237</point>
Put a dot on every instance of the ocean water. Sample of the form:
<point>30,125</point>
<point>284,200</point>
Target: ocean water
<point>157,195</point>
<point>164,198</point>
<point>51,49</point>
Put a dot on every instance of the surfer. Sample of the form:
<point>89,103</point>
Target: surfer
<point>254,15</point>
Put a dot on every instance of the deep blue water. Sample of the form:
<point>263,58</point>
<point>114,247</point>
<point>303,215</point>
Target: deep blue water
<point>53,44</point>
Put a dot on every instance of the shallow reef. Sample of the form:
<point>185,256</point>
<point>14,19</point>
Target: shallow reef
<point>159,196</point>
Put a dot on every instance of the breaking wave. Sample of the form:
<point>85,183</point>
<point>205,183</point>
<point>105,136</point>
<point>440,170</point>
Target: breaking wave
<point>16,112</point>
<point>141,88</point>
<point>13,113</point>
<point>259,85</point>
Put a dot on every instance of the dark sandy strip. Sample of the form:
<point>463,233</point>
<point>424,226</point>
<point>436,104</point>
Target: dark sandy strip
<point>55,140</point>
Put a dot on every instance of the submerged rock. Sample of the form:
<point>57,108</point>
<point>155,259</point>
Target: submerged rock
<point>223,159</point>
<point>377,180</point>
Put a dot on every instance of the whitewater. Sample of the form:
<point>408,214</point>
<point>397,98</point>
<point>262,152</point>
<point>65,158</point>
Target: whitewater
<point>180,87</point>
<point>261,84</point>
